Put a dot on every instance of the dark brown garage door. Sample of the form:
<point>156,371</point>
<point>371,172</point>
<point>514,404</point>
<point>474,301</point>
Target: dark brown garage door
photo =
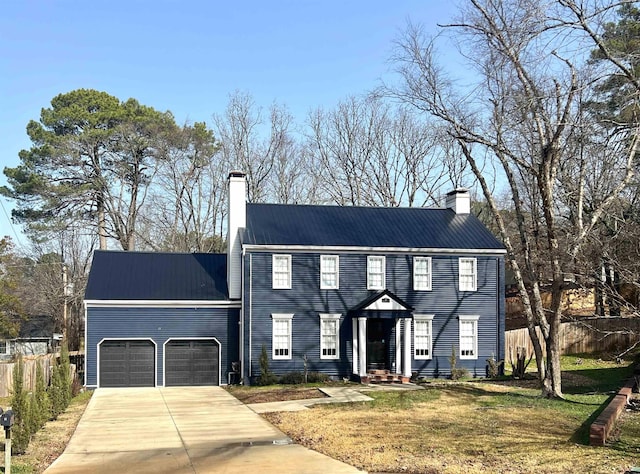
<point>191,362</point>
<point>127,364</point>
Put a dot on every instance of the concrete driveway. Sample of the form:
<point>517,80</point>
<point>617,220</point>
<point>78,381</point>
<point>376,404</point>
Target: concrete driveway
<point>182,430</point>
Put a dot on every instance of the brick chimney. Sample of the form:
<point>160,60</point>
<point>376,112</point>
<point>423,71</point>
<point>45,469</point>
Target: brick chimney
<point>237,221</point>
<point>459,201</point>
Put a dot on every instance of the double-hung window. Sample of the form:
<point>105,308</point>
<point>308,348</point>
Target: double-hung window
<point>4,346</point>
<point>422,340</point>
<point>468,337</point>
<point>422,273</point>
<point>281,335</point>
<point>329,336</point>
<point>281,271</point>
<point>467,274</point>
<point>329,272</point>
<point>375,272</point>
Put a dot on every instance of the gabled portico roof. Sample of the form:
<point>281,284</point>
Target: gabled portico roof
<point>380,301</point>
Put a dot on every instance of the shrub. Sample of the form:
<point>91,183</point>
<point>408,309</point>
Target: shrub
<point>456,374</point>
<point>42,397</point>
<point>266,377</point>
<point>20,433</point>
<point>494,367</point>
<point>317,377</point>
<point>292,378</point>
<point>519,367</point>
<point>60,389</point>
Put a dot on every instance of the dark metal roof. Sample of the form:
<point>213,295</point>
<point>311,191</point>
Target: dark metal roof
<point>36,327</point>
<point>403,227</point>
<point>157,276</point>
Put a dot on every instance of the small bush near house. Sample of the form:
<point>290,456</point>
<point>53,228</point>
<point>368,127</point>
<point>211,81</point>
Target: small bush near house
<point>493,367</point>
<point>456,374</point>
<point>266,377</point>
<point>317,377</point>
<point>292,378</point>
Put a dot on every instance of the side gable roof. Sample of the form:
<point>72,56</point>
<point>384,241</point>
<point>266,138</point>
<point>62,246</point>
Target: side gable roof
<point>305,225</point>
<point>157,276</point>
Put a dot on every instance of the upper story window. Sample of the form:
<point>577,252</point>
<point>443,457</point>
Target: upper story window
<point>329,272</point>
<point>422,273</point>
<point>281,274</point>
<point>467,274</point>
<point>468,337</point>
<point>376,267</point>
<point>329,336</point>
<point>281,335</point>
<point>422,339</point>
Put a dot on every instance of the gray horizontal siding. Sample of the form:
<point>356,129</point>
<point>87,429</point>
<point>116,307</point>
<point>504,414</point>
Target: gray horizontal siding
<point>306,301</point>
<point>159,325</point>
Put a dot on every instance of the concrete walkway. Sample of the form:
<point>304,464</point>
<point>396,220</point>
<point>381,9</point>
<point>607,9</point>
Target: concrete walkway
<point>182,430</point>
<point>334,395</point>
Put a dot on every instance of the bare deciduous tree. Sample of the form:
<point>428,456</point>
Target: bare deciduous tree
<point>523,113</point>
<point>370,153</point>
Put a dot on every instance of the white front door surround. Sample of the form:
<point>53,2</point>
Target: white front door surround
<point>403,359</point>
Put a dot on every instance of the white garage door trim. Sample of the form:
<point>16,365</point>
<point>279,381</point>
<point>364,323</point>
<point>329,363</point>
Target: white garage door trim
<point>164,354</point>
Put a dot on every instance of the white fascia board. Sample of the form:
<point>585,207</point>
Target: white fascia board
<point>354,249</point>
<point>161,304</point>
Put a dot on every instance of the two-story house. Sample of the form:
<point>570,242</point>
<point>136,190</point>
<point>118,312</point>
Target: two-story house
<point>348,291</point>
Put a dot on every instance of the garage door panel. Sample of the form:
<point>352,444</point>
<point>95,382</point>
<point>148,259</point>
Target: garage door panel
<point>127,364</point>
<point>191,362</point>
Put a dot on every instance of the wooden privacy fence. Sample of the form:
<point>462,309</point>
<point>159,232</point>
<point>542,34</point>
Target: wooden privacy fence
<point>587,335</point>
<point>6,373</point>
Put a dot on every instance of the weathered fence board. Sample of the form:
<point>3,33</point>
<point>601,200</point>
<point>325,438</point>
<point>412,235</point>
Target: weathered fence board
<point>584,336</point>
<point>6,373</point>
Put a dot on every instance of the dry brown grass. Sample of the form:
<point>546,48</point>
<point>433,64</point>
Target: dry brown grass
<point>49,442</point>
<point>463,428</point>
<point>273,394</point>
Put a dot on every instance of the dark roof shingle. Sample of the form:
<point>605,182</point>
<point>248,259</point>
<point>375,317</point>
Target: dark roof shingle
<point>157,276</point>
<point>415,227</point>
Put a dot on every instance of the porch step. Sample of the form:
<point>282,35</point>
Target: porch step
<point>383,376</point>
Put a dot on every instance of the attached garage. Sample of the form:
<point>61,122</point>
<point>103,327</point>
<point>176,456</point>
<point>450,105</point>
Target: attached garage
<point>127,363</point>
<point>159,319</point>
<point>192,362</point>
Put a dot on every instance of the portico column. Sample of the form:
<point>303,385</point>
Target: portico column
<point>398,361</point>
<point>362,345</point>
<point>406,363</point>
<point>354,346</point>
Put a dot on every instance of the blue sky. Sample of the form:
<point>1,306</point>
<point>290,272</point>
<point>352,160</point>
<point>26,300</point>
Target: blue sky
<point>188,56</point>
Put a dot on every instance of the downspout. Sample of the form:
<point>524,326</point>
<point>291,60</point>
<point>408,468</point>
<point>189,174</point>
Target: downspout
<point>250,313</point>
<point>86,345</point>
<point>241,318</point>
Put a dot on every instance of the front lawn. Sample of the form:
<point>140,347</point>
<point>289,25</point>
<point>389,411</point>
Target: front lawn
<point>471,427</point>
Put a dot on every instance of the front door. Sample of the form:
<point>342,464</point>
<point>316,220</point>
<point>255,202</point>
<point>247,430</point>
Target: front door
<point>377,344</point>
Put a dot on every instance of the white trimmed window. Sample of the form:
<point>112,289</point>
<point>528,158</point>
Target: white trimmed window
<point>329,272</point>
<point>469,337</point>
<point>4,347</point>
<point>375,272</point>
<point>281,335</point>
<point>281,271</point>
<point>422,340</point>
<point>467,274</point>
<point>329,336</point>
<point>422,273</point>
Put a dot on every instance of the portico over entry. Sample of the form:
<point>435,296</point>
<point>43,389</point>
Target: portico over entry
<point>381,336</point>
